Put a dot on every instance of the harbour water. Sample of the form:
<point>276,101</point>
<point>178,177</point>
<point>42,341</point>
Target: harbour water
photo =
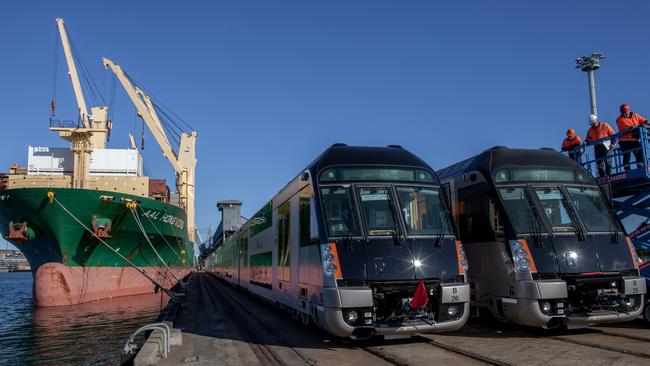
<point>92,333</point>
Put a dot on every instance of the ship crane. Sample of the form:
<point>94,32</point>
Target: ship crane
<point>183,162</point>
<point>93,130</point>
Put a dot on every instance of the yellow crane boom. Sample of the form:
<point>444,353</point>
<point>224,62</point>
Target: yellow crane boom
<point>184,163</point>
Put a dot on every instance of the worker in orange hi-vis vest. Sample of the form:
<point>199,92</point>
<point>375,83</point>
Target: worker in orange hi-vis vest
<point>630,142</point>
<point>598,130</point>
<point>571,142</point>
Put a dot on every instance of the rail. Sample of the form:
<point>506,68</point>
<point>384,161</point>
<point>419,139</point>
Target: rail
<point>615,156</point>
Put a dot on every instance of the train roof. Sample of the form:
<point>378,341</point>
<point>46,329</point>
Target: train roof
<point>499,157</point>
<point>341,154</point>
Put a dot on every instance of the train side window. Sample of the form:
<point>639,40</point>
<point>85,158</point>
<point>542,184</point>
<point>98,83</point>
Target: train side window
<point>283,231</point>
<point>308,224</point>
<point>476,218</point>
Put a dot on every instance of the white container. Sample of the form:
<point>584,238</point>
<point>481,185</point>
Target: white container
<point>119,162</point>
<point>44,160</point>
<point>60,161</point>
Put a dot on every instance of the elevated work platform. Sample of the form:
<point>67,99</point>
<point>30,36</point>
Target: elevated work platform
<point>628,185</point>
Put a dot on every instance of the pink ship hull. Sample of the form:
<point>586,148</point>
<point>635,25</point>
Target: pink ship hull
<point>56,284</point>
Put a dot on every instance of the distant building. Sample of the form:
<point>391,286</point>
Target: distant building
<point>231,221</point>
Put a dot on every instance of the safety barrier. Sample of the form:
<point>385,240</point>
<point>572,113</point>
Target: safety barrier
<point>615,155</point>
<point>630,189</point>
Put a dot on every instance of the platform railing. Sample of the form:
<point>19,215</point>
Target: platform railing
<point>60,123</point>
<point>583,154</point>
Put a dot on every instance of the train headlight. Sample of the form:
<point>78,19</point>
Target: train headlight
<point>632,302</point>
<point>545,307</point>
<point>330,259</point>
<point>352,316</point>
<point>522,261</point>
<point>452,311</point>
<point>462,258</point>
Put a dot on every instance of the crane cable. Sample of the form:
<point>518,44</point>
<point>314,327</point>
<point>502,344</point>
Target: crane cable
<point>144,233</point>
<point>183,260</point>
<point>51,196</point>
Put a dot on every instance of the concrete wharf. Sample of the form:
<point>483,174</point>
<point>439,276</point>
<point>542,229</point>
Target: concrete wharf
<point>223,326</point>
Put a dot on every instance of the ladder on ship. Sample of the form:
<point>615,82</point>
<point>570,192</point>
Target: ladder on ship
<point>629,188</point>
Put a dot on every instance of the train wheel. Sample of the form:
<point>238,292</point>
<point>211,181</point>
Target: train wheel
<point>646,313</point>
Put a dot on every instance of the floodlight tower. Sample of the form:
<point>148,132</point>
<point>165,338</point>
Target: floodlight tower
<point>589,64</point>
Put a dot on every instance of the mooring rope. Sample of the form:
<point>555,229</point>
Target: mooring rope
<point>164,239</point>
<point>51,196</point>
<point>144,233</point>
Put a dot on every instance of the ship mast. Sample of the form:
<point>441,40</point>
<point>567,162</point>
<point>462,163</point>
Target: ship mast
<point>184,163</point>
<point>92,130</point>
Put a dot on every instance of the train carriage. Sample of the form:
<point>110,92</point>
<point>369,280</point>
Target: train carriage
<point>544,245</point>
<point>347,244</point>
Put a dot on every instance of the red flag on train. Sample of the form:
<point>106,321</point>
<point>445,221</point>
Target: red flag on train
<point>420,297</point>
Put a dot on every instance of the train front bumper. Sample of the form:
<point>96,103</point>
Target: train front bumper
<point>334,323</point>
<point>526,309</point>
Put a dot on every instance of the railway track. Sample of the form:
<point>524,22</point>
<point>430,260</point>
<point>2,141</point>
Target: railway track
<point>469,355</point>
<point>256,332</point>
<point>600,345</point>
<point>466,353</point>
<point>275,340</point>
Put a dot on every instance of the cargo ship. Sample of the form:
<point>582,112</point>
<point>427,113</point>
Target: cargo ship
<point>91,224</point>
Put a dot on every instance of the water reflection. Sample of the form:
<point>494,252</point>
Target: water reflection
<point>91,333</point>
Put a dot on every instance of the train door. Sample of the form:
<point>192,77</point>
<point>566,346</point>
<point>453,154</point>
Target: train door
<point>386,248</point>
<point>309,263</point>
<point>238,248</point>
<point>480,231</point>
<point>244,273</point>
<point>283,246</point>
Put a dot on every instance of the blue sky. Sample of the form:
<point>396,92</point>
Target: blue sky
<point>268,85</point>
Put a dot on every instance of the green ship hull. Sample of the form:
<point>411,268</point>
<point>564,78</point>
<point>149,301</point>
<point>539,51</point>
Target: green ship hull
<point>66,257</point>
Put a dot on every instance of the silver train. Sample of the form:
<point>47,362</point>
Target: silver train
<point>347,244</point>
<point>544,246</point>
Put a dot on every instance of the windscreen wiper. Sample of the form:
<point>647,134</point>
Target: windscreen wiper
<point>443,228</point>
<point>575,220</point>
<point>536,218</point>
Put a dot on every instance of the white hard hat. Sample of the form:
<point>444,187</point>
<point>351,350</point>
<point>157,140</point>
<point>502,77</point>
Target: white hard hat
<point>593,118</point>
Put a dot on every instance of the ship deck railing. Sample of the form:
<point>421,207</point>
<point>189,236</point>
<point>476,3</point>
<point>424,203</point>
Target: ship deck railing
<point>61,123</point>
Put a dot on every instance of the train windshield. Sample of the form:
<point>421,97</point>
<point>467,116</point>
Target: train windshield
<point>592,209</point>
<point>378,211</point>
<point>422,211</point>
<point>519,210</point>
<point>562,209</point>
<point>339,216</point>
<point>555,209</point>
